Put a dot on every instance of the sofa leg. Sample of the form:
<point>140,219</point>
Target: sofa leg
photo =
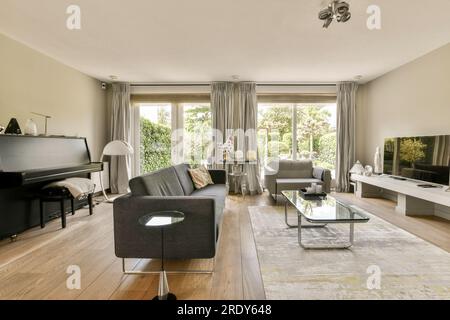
<point>276,194</point>
<point>137,272</point>
<point>275,198</point>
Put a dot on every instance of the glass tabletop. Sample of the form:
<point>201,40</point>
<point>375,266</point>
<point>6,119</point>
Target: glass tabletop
<point>326,210</point>
<point>237,174</point>
<point>161,219</point>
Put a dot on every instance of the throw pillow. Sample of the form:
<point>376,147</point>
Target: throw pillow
<point>200,177</point>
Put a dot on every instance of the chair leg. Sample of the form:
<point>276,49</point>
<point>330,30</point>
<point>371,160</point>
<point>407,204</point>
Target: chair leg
<point>276,194</point>
<point>73,206</point>
<point>41,208</point>
<point>91,204</point>
<point>63,214</point>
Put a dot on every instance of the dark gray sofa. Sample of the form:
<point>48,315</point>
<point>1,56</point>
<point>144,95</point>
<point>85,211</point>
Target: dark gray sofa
<point>170,189</point>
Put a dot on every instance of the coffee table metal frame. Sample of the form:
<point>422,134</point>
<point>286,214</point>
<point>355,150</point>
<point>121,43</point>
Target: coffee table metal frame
<point>321,224</point>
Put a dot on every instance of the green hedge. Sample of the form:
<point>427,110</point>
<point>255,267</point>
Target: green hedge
<point>327,150</point>
<point>155,146</point>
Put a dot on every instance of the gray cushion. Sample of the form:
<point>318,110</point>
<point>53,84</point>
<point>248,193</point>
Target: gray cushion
<point>219,193</point>
<point>216,190</point>
<point>318,173</point>
<point>185,178</point>
<point>164,182</point>
<point>295,169</point>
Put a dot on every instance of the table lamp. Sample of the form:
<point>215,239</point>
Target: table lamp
<point>357,168</point>
<point>114,148</point>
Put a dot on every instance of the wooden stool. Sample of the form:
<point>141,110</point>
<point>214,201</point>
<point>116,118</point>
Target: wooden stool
<point>60,195</point>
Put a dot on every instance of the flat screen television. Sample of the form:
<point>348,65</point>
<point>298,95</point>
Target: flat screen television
<point>421,158</point>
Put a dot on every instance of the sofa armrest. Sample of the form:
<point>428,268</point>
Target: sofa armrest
<point>218,176</point>
<point>324,175</point>
<point>270,177</point>
<point>194,238</point>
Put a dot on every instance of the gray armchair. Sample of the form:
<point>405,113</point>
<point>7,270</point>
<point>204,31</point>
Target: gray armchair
<point>293,175</point>
<point>170,189</point>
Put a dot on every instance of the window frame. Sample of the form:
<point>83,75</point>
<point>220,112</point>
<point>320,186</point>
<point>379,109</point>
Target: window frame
<point>177,102</point>
<point>296,102</point>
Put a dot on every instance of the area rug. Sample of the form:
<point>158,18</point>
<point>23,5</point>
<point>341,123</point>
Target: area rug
<point>385,261</point>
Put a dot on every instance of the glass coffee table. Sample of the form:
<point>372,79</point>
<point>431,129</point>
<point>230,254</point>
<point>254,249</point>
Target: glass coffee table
<point>319,213</point>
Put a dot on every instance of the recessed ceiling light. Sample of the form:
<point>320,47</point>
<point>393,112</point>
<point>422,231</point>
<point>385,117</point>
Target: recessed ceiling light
<point>358,77</point>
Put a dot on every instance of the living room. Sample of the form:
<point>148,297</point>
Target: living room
<point>203,150</point>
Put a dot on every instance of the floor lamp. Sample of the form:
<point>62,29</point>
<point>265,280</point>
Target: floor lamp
<point>114,148</point>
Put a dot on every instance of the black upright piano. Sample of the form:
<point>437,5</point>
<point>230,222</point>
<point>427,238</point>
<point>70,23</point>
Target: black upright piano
<point>27,163</point>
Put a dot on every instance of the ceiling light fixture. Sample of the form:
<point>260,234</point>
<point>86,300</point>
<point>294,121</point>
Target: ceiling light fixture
<point>338,10</point>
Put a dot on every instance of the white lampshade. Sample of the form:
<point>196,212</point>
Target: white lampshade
<point>357,168</point>
<point>118,148</point>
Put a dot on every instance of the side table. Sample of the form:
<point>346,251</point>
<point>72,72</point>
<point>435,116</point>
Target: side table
<point>238,177</point>
<point>162,220</point>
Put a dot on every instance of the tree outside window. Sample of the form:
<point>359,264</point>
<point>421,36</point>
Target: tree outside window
<point>315,128</point>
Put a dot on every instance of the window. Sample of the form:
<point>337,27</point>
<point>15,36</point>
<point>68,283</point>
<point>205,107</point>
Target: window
<point>171,133</point>
<point>275,131</point>
<point>155,137</point>
<point>197,137</point>
<point>312,126</point>
<point>316,134</point>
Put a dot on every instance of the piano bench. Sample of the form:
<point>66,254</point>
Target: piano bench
<point>60,195</point>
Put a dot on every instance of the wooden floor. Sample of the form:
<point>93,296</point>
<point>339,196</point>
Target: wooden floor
<point>430,228</point>
<point>34,267</point>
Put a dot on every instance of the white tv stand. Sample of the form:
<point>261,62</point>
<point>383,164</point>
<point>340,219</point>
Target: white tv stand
<point>411,199</point>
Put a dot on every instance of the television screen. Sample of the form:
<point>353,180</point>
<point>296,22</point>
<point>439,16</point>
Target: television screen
<point>419,158</point>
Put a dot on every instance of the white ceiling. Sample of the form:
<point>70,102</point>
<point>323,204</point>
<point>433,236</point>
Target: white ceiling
<point>208,40</point>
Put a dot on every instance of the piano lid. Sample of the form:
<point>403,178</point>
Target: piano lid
<point>24,153</point>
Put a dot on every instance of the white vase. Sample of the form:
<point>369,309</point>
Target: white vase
<point>378,164</point>
<point>31,128</point>
<point>368,170</point>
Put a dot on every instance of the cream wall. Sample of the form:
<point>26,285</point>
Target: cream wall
<point>411,100</point>
<point>31,81</point>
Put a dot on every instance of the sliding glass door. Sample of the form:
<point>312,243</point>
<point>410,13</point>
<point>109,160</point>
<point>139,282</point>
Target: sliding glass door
<point>316,134</point>
<point>197,133</point>
<point>275,124</point>
<point>170,133</point>
<point>297,131</point>
<point>155,137</point>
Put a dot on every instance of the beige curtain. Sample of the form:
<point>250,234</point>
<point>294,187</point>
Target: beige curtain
<point>345,153</point>
<point>247,118</point>
<point>234,109</point>
<point>222,104</point>
<point>120,129</point>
